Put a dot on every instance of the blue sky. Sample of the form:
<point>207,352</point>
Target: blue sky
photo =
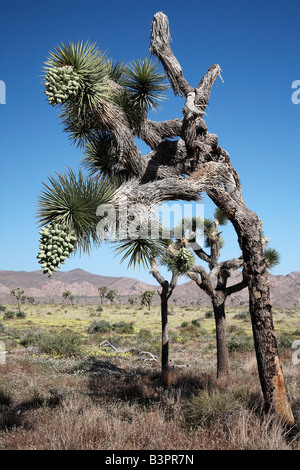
<point>255,43</point>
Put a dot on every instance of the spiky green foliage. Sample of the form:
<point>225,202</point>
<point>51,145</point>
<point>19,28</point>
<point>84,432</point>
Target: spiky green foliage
<point>272,257</point>
<point>140,251</point>
<point>182,262</point>
<point>101,158</point>
<point>146,83</point>
<point>72,200</point>
<point>220,216</point>
<point>189,228</point>
<point>90,71</point>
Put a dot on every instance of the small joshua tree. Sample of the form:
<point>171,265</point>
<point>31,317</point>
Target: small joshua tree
<point>102,293</point>
<point>111,295</point>
<point>18,295</point>
<point>214,282</point>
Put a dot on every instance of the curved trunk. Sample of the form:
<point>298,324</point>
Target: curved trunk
<point>221,337</point>
<point>248,229</point>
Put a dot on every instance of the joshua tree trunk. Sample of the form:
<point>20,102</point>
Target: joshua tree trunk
<point>165,335</point>
<point>167,290</point>
<point>221,337</point>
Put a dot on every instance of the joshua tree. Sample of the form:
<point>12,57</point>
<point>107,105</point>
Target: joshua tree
<point>104,106</point>
<point>147,297</point>
<point>102,293</point>
<point>18,295</point>
<point>67,295</point>
<point>131,301</point>
<point>149,253</point>
<point>111,295</point>
<point>215,281</point>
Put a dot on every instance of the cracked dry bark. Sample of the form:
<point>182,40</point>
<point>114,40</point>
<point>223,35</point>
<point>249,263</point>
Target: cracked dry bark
<point>181,169</point>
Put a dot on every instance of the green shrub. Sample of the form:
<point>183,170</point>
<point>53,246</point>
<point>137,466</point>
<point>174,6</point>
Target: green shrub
<point>8,314</point>
<point>2,308</point>
<point>20,315</point>
<point>209,406</point>
<point>209,314</point>
<point>144,334</point>
<point>66,343</point>
<point>285,340</point>
<point>123,327</point>
<point>196,322</point>
<point>99,326</point>
<point>99,309</point>
<point>240,342</point>
<point>242,316</point>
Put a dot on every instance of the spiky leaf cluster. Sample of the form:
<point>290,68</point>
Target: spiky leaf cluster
<point>57,242</point>
<point>272,257</point>
<point>140,251</point>
<point>72,200</point>
<point>90,70</point>
<point>61,83</point>
<point>146,83</point>
<point>183,261</point>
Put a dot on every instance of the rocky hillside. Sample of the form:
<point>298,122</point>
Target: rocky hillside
<point>285,290</point>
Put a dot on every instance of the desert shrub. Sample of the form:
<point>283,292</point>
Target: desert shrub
<point>2,327</point>
<point>8,314</point>
<point>196,322</point>
<point>240,342</point>
<point>285,340</point>
<point>208,407</point>
<point>209,314</point>
<point>242,316</point>
<point>123,327</point>
<point>66,343</point>
<point>99,309</point>
<point>21,315</point>
<point>190,329</point>
<point>2,308</point>
<point>99,326</point>
<point>144,334</point>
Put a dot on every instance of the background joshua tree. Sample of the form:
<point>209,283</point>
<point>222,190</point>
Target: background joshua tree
<point>68,296</point>
<point>215,281</point>
<point>104,107</point>
<point>111,295</point>
<point>18,295</point>
<point>102,293</point>
<point>150,252</point>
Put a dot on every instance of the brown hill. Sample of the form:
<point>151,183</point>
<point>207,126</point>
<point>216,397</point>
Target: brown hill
<point>285,290</point>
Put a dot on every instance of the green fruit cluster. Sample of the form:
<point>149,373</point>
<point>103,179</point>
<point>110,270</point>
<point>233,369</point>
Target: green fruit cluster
<point>184,260</point>
<point>61,83</point>
<point>57,243</point>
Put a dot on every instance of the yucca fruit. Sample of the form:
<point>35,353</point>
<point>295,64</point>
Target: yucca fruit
<point>61,83</point>
<point>56,243</point>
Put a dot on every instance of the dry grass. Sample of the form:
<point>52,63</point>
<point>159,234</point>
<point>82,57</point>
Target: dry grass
<point>113,402</point>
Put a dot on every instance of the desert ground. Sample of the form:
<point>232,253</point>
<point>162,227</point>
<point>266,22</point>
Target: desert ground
<point>87,377</point>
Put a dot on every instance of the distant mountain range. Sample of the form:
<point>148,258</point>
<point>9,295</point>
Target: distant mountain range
<point>285,289</point>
